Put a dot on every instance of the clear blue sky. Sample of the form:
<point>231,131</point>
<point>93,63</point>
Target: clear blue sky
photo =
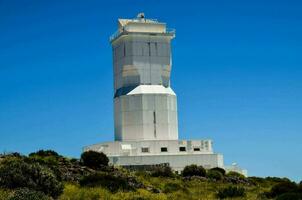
<point>237,70</point>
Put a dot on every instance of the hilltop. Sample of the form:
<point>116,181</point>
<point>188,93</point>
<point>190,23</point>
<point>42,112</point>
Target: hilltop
<point>46,175</point>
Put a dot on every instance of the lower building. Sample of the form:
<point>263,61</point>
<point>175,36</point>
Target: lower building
<point>176,153</point>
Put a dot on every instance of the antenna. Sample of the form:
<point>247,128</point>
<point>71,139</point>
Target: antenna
<point>141,15</point>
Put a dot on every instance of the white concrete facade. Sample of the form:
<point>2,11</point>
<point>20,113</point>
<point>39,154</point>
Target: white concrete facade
<point>177,153</point>
<point>145,106</point>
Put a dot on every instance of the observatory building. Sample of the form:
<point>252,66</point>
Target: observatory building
<point>145,105</point>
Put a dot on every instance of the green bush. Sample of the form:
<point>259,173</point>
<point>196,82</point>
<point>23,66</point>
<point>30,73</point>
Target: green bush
<point>276,179</point>
<point>45,153</point>
<point>222,171</point>
<point>290,196</point>
<point>214,174</point>
<point>300,187</point>
<point>194,170</point>
<point>256,180</point>
<point>27,194</point>
<point>16,173</point>
<point>74,192</point>
<point>162,171</point>
<point>282,188</point>
<point>235,175</point>
<point>94,160</point>
<point>5,194</point>
<point>173,187</point>
<point>231,192</point>
<point>109,181</point>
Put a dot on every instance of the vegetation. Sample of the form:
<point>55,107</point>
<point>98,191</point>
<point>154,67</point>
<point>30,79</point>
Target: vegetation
<point>194,170</point>
<point>25,193</point>
<point>162,171</point>
<point>111,181</point>
<point>222,171</point>
<point>46,175</point>
<point>16,173</point>
<point>94,160</point>
<point>215,175</point>
<point>231,192</point>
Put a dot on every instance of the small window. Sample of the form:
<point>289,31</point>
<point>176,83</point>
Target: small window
<point>196,149</point>
<point>145,150</point>
<point>164,149</point>
<point>182,148</point>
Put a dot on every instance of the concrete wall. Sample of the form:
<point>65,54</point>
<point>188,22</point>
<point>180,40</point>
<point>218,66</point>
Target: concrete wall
<point>176,162</point>
<point>131,153</point>
<point>143,59</point>
<point>134,148</point>
<point>145,117</point>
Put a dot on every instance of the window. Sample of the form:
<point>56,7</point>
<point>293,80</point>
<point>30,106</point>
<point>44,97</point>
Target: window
<point>164,149</point>
<point>182,148</point>
<point>149,47</point>
<point>196,149</point>
<point>145,150</point>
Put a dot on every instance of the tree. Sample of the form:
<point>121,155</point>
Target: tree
<point>94,160</point>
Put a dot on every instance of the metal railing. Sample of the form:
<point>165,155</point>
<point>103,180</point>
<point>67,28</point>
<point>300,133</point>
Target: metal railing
<point>121,31</point>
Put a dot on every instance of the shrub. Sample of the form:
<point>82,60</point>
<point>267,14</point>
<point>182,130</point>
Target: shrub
<point>194,170</point>
<point>174,187</point>
<point>214,174</point>
<point>300,187</point>
<point>94,160</point>
<point>231,192</point>
<point>283,187</point>
<point>16,173</point>
<point>276,179</point>
<point>25,193</point>
<point>256,180</point>
<point>222,171</point>
<point>235,175</point>
<point>108,181</point>
<point>162,171</point>
<point>74,192</point>
<point>5,194</point>
<point>290,196</point>
<point>45,153</point>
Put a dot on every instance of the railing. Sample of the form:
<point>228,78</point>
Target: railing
<point>115,35</point>
<point>120,32</point>
<point>170,30</point>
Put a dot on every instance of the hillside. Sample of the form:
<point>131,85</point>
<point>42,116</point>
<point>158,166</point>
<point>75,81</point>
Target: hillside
<point>46,175</point>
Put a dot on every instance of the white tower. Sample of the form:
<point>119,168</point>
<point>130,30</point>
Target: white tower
<point>145,106</point>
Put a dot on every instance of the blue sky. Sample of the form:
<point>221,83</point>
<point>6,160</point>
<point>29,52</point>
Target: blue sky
<point>237,71</point>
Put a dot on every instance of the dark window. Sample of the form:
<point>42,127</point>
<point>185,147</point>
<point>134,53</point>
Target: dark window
<point>154,123</point>
<point>196,149</point>
<point>164,149</point>
<point>145,150</point>
<point>149,47</point>
<point>182,148</point>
